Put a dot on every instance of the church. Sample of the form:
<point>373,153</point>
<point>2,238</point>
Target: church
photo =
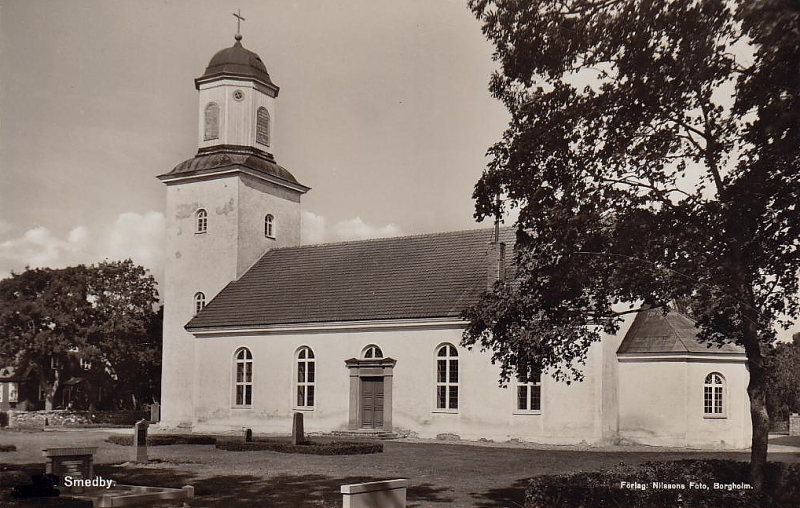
<point>364,336</point>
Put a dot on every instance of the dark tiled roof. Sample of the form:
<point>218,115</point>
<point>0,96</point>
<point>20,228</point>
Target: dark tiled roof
<point>237,61</point>
<point>424,276</point>
<point>228,156</point>
<point>654,332</point>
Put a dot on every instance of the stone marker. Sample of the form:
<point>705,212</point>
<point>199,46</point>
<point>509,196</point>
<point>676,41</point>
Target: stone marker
<point>384,494</point>
<point>74,462</point>
<point>794,424</point>
<point>140,441</point>
<point>155,412</point>
<point>298,437</point>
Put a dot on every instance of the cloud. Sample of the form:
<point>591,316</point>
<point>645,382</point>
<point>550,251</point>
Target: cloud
<point>312,228</point>
<point>316,230</point>
<point>139,237</point>
<point>136,236</point>
<point>357,229</point>
<point>39,247</point>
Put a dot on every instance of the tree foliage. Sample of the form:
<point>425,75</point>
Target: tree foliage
<point>652,154</point>
<point>783,394</point>
<point>96,325</point>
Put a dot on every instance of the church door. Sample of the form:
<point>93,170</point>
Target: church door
<point>372,402</point>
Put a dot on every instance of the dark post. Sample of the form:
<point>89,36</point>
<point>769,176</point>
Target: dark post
<point>298,436</point>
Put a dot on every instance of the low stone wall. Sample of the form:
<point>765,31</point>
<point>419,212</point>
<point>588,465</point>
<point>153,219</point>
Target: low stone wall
<point>68,418</point>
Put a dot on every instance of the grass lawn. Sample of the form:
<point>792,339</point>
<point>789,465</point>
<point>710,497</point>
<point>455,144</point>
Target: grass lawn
<point>440,475</point>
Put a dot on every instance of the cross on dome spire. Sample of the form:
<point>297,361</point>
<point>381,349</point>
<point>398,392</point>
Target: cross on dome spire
<point>239,19</point>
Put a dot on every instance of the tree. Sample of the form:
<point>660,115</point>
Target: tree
<point>783,381</point>
<point>649,163</point>
<point>94,324</point>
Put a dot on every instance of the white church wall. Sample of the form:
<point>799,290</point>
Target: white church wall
<point>195,262</point>
<point>258,198</point>
<point>569,413</point>
<point>661,403</point>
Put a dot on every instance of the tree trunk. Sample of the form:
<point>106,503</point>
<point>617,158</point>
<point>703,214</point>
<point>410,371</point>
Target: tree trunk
<point>757,391</point>
<point>760,418</point>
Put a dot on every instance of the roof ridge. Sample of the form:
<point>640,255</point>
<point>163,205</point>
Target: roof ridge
<point>386,238</point>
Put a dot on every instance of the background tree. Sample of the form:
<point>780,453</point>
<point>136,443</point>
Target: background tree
<point>95,325</point>
<point>783,381</point>
<point>652,153</point>
<point>42,315</point>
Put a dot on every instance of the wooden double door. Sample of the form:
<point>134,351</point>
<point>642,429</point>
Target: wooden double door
<point>372,402</point>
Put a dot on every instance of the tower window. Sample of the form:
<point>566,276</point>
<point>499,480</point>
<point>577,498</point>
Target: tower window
<point>202,221</point>
<point>211,122</point>
<point>244,378</point>
<point>199,302</point>
<point>269,226</point>
<point>447,377</point>
<point>262,126</point>
<point>306,378</point>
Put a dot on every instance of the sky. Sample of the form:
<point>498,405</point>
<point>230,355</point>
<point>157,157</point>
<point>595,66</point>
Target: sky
<point>383,111</point>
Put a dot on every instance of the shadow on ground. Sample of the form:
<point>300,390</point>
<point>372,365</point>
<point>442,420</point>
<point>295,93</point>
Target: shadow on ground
<point>786,441</point>
<point>512,496</point>
<point>223,491</point>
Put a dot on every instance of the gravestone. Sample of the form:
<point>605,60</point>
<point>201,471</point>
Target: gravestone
<point>74,462</point>
<point>298,437</point>
<point>140,441</point>
<point>382,494</point>
<point>794,424</point>
<point>155,412</point>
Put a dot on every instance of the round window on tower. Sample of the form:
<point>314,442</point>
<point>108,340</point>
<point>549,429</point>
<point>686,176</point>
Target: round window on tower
<point>238,95</point>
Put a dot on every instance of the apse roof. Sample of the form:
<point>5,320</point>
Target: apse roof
<point>654,332</point>
<point>425,276</point>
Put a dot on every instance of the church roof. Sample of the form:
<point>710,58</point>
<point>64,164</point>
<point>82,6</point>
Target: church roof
<point>425,276</point>
<point>654,332</point>
<point>223,156</point>
<point>237,62</point>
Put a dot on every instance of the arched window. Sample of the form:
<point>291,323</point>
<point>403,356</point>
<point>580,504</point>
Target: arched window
<point>714,395</point>
<point>529,389</point>
<point>244,377</point>
<point>211,122</point>
<point>372,351</point>
<point>269,226</point>
<point>199,302</point>
<point>447,377</point>
<point>306,378</point>
<point>202,221</point>
<point>262,126</point>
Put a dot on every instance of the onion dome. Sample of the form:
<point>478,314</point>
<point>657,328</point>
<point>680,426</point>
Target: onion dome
<point>237,62</point>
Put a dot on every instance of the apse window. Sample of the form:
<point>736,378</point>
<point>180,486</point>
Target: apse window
<point>199,302</point>
<point>447,378</point>
<point>244,378</point>
<point>306,378</point>
<point>262,126</point>
<point>714,396</point>
<point>211,130</point>
<point>269,226</point>
<point>201,221</point>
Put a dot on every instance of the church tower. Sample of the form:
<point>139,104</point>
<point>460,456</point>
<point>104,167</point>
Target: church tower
<point>226,207</point>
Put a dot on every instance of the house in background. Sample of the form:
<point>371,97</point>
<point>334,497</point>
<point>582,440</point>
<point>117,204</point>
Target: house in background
<point>19,390</point>
<point>364,336</point>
